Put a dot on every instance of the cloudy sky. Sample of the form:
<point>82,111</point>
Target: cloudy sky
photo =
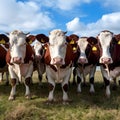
<point>81,17</point>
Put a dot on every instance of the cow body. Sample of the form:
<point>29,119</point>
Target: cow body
<point>20,60</point>
<point>87,61</point>
<point>3,51</point>
<point>58,59</point>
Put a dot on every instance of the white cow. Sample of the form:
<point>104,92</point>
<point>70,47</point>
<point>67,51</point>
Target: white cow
<point>20,60</point>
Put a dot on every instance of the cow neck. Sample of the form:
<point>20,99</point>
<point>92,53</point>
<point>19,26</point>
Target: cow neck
<point>29,54</point>
<point>68,58</point>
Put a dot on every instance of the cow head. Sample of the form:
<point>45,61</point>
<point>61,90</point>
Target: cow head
<point>82,44</point>
<point>17,40</point>
<point>72,40</point>
<point>57,47</point>
<point>105,37</point>
<point>39,47</point>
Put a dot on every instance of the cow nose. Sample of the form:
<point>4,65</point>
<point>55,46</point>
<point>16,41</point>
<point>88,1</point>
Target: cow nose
<point>17,60</point>
<point>82,60</point>
<point>106,60</point>
<point>57,61</point>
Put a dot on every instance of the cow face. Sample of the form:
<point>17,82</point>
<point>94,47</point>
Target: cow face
<point>57,47</point>
<point>105,38</point>
<point>82,44</point>
<point>17,40</point>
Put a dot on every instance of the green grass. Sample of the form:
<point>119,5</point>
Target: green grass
<point>84,106</point>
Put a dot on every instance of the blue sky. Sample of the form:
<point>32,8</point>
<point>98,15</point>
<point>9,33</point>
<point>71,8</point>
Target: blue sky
<point>81,17</point>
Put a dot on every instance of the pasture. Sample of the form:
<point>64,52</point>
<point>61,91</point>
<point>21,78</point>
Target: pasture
<point>84,106</point>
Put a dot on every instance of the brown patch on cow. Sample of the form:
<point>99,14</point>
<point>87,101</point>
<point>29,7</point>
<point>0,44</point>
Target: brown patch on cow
<point>28,81</point>
<point>65,87</point>
<point>50,87</point>
<point>29,54</point>
<point>3,53</point>
<point>13,81</point>
<point>30,38</point>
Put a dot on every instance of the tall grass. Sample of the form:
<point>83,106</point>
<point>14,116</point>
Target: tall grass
<point>84,106</point>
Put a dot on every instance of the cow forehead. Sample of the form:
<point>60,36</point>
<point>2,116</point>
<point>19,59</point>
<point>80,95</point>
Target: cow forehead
<point>57,37</point>
<point>105,37</point>
<point>82,43</point>
<point>17,37</point>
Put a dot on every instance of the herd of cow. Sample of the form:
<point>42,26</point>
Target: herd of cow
<point>56,55</point>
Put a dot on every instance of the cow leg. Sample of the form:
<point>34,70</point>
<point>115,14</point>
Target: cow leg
<point>74,75</point>
<point>79,84</point>
<point>27,86</point>
<point>106,81</point>
<point>51,90</point>
<point>1,77</point>
<point>92,73</point>
<point>7,78</point>
<point>65,91</point>
<point>13,90</point>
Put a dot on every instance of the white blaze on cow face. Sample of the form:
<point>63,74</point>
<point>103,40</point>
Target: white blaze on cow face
<point>82,43</point>
<point>105,37</point>
<point>57,47</point>
<point>17,41</point>
<point>38,48</point>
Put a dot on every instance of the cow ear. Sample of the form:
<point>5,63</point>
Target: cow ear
<point>65,32</point>
<point>27,33</point>
<point>3,39</point>
<point>42,38</point>
<point>30,39</point>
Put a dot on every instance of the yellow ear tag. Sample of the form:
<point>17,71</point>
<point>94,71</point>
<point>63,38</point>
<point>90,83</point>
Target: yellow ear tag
<point>45,48</point>
<point>30,42</point>
<point>2,41</point>
<point>119,42</point>
<point>74,48</point>
<point>72,42</point>
<point>94,48</point>
<point>42,41</point>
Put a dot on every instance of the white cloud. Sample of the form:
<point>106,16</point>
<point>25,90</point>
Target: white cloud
<point>62,4</point>
<point>107,22</point>
<point>23,15</point>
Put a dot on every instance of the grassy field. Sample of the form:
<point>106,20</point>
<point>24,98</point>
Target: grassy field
<point>83,106</point>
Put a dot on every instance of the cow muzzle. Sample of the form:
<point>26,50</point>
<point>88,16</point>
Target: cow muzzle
<point>17,60</point>
<point>106,60</point>
<point>57,61</point>
<point>82,60</point>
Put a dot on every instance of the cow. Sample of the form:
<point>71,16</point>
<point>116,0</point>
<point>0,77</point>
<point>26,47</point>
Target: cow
<point>87,61</point>
<point>110,57</point>
<point>19,58</point>
<point>39,53</point>
<point>72,40</point>
<point>58,59</point>
<point>3,51</point>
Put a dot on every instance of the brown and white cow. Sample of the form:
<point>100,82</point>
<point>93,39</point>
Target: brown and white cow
<point>58,59</point>
<point>72,40</point>
<point>87,61</point>
<point>110,57</point>
<point>20,61</point>
<point>3,51</point>
<point>39,55</point>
